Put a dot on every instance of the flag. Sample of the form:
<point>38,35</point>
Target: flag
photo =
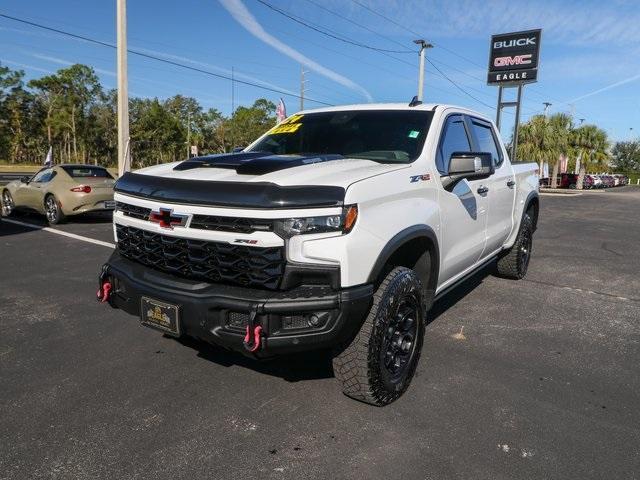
<point>545,170</point>
<point>281,111</point>
<point>49,160</point>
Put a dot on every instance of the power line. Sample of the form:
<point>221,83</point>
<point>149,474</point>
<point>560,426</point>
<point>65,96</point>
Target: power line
<point>532,89</point>
<point>404,27</point>
<point>431,61</point>
<point>459,87</point>
<point>158,59</point>
<point>379,50</point>
<point>328,32</point>
<point>342,17</point>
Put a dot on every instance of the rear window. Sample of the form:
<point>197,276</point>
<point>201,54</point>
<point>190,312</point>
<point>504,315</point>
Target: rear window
<point>87,172</point>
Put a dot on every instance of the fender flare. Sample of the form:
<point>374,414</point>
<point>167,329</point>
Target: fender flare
<point>401,238</point>
<point>531,198</point>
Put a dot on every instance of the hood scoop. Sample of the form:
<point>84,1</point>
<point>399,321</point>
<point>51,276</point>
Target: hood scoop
<point>254,163</point>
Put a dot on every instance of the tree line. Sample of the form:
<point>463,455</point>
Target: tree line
<point>547,138</point>
<point>73,114</point>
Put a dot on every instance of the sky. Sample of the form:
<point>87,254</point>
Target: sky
<point>589,64</point>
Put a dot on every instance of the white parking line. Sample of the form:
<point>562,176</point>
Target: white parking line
<point>60,232</point>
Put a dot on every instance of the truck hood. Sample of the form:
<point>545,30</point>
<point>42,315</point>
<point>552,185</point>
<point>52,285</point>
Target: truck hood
<point>283,170</point>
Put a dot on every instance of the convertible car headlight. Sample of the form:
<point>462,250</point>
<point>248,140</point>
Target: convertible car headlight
<point>343,222</point>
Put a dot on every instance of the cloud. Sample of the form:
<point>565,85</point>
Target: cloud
<point>237,74</point>
<point>242,15</point>
<point>62,61</point>
<point>24,65</point>
<point>608,87</point>
<point>578,22</point>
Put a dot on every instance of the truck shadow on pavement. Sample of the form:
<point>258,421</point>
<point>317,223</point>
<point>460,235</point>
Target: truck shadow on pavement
<point>39,221</point>
<point>459,292</point>
<point>292,368</point>
<point>317,365</point>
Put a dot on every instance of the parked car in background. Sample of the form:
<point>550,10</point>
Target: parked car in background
<point>61,191</point>
<point>570,180</point>
<point>608,181</point>
<point>596,181</point>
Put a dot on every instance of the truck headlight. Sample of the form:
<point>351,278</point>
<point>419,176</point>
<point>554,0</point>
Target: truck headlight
<point>343,222</point>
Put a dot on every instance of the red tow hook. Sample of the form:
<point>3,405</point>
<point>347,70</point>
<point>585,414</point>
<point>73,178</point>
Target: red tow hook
<point>253,333</point>
<point>252,344</point>
<point>103,292</point>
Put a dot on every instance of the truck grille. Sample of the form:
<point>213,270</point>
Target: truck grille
<point>206,222</point>
<point>231,224</point>
<point>134,211</point>
<point>198,259</point>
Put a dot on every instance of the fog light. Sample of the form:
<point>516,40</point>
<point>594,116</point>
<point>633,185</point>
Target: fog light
<point>314,321</point>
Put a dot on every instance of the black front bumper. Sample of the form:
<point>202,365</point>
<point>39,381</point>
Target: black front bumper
<point>304,318</point>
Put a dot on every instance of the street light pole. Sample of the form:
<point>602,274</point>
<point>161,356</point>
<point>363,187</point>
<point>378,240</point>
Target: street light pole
<point>423,46</point>
<point>124,154</point>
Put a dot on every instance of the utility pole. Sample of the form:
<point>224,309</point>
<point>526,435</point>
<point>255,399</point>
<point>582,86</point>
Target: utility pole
<point>423,46</point>
<point>233,107</point>
<point>303,88</point>
<point>188,134</point>
<point>124,155</point>
<point>546,107</point>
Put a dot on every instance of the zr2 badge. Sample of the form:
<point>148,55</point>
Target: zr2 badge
<point>419,178</point>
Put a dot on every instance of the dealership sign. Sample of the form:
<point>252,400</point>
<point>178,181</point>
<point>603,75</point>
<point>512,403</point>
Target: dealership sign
<point>514,58</point>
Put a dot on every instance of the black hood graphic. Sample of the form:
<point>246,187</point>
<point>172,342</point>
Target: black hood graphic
<point>254,163</point>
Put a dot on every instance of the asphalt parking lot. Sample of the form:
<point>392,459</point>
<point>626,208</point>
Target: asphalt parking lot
<point>518,380</point>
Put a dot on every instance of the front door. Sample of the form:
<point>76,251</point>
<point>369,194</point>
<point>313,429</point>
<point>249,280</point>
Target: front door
<point>34,192</point>
<point>463,209</point>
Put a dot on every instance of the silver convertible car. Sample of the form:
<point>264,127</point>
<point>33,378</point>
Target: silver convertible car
<point>61,191</point>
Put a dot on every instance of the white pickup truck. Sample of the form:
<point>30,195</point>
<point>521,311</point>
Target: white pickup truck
<point>337,230</point>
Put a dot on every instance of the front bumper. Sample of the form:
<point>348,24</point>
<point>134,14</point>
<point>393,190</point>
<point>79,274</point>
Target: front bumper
<point>300,319</point>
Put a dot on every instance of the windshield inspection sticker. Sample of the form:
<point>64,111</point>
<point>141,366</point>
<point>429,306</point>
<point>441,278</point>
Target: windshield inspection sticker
<point>414,134</point>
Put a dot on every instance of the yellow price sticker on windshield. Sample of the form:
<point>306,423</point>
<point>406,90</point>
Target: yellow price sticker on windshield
<point>290,125</point>
<point>285,128</point>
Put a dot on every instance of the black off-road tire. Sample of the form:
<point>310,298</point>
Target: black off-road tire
<point>54,216</point>
<point>514,263</point>
<point>379,363</point>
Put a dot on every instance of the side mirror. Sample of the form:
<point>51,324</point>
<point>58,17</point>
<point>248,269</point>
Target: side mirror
<point>237,149</point>
<point>469,165</point>
<point>24,179</point>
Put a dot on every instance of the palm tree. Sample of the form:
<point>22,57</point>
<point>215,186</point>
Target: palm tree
<point>590,144</point>
<point>545,139</point>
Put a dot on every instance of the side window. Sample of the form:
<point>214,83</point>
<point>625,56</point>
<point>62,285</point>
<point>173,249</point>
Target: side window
<point>454,139</point>
<point>42,176</point>
<point>487,141</point>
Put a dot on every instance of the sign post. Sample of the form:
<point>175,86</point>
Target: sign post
<point>513,62</point>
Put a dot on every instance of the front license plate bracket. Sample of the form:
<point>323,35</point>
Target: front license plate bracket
<point>160,315</point>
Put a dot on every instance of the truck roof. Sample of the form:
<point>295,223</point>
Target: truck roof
<point>394,106</point>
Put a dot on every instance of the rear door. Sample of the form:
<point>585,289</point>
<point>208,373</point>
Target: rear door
<point>502,187</point>
<point>463,209</point>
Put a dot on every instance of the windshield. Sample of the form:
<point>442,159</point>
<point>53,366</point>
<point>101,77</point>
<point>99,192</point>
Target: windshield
<point>387,136</point>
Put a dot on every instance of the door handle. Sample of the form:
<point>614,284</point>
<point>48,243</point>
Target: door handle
<point>482,190</point>
<point>511,183</point>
